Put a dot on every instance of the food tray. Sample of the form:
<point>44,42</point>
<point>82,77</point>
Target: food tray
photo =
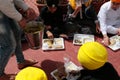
<point>114,43</point>
<point>55,73</point>
<point>80,39</point>
<point>53,44</point>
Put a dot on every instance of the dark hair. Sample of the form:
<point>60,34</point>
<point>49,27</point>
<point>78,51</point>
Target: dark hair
<point>50,3</point>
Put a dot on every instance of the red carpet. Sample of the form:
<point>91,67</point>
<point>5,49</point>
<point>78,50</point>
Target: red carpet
<point>50,60</point>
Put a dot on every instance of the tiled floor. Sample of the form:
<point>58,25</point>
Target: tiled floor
<point>50,60</point>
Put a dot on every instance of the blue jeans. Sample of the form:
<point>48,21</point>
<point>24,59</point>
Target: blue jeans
<point>10,41</point>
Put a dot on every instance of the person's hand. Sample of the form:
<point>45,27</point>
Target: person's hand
<point>22,22</point>
<point>118,31</point>
<point>49,35</point>
<point>98,28</point>
<point>106,41</point>
<point>30,14</point>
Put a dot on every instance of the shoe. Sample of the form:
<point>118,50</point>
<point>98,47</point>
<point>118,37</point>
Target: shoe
<point>8,77</point>
<point>27,63</point>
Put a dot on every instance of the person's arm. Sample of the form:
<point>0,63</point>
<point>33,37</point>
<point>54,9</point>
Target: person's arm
<point>102,16</point>
<point>91,13</point>
<point>21,4</point>
<point>7,7</point>
<point>49,34</point>
<point>77,9</point>
<point>97,26</point>
<point>29,12</point>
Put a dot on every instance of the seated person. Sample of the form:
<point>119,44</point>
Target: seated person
<point>52,17</point>
<point>109,17</point>
<point>93,58</point>
<point>83,13</point>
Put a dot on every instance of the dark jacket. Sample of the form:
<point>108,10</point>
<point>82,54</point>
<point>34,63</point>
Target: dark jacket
<point>55,20</point>
<point>106,72</point>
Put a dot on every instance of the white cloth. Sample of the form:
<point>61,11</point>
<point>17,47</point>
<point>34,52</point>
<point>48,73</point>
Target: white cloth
<point>109,19</point>
<point>8,8</point>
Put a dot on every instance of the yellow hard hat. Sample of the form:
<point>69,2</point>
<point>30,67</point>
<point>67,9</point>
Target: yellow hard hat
<point>31,73</point>
<point>92,55</point>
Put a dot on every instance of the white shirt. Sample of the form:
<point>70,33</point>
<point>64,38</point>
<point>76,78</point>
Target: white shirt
<point>109,19</point>
<point>7,7</point>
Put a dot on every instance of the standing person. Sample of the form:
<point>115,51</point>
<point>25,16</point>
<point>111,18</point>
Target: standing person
<point>82,12</point>
<point>52,17</point>
<point>93,57</point>
<point>10,33</point>
<point>109,17</point>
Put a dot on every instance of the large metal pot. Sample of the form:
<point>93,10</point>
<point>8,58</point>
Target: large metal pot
<point>34,34</point>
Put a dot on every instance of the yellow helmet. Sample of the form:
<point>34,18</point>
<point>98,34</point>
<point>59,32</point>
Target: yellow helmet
<point>31,73</point>
<point>92,55</point>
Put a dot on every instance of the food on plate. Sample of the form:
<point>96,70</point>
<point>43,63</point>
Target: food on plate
<point>112,42</point>
<point>78,41</point>
<point>87,40</point>
<point>58,41</point>
<point>59,73</point>
<point>49,42</point>
<point>58,46</point>
<point>56,74</point>
<point>53,44</point>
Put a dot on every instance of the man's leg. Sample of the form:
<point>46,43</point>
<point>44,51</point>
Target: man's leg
<point>7,42</point>
<point>18,51</point>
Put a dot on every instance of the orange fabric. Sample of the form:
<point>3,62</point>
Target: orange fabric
<point>117,1</point>
<point>73,3</point>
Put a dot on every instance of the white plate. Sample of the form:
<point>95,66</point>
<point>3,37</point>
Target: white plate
<point>57,44</point>
<point>80,39</point>
<point>115,43</point>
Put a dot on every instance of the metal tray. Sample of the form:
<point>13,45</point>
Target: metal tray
<point>53,44</point>
<point>115,43</point>
<point>80,39</point>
